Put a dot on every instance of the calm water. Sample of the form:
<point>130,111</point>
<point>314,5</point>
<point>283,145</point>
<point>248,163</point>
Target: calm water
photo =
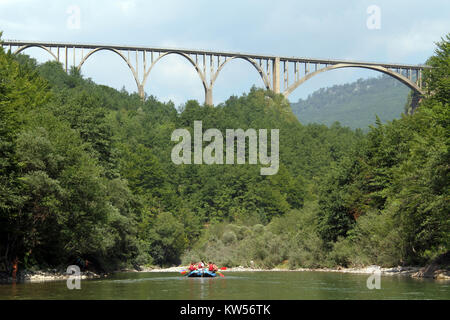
<point>234,286</point>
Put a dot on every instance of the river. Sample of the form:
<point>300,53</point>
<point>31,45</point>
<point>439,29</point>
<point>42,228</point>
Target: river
<point>233,286</point>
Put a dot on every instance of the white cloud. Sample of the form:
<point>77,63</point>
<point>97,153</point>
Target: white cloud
<point>176,68</point>
<point>420,38</point>
<point>126,6</point>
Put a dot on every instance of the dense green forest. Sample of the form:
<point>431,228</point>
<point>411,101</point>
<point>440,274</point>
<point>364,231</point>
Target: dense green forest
<point>86,172</point>
<point>354,105</point>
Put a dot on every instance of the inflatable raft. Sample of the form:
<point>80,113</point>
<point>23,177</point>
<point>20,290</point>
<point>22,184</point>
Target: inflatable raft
<point>201,274</point>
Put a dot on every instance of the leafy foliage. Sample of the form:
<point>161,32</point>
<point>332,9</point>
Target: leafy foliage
<point>86,172</point>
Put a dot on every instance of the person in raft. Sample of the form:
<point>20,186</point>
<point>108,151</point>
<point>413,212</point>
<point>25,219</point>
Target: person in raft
<point>212,267</point>
<point>201,265</point>
<point>192,266</point>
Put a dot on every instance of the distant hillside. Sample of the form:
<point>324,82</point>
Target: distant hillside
<point>354,104</point>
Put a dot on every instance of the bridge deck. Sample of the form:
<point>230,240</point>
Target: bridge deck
<point>208,52</point>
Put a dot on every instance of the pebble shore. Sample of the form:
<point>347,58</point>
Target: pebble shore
<point>42,276</point>
<point>415,272</point>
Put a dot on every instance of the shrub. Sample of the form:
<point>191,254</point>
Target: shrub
<point>258,228</point>
<point>229,237</point>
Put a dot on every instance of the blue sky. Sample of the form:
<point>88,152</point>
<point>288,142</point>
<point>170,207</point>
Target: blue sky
<point>320,29</point>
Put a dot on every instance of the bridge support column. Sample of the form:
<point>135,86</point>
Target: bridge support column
<point>276,75</point>
<point>141,92</point>
<point>65,65</point>
<point>209,96</point>
<point>415,100</point>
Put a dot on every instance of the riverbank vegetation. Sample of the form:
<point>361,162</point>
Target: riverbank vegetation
<point>86,173</point>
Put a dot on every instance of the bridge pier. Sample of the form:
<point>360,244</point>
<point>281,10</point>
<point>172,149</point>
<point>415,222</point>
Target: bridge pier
<point>141,92</point>
<point>415,100</point>
<point>276,75</point>
<point>209,96</point>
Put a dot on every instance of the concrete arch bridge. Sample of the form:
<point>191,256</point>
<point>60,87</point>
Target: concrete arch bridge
<point>279,74</point>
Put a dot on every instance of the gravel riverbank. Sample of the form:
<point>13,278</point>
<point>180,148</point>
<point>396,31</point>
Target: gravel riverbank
<point>42,276</point>
<point>415,272</point>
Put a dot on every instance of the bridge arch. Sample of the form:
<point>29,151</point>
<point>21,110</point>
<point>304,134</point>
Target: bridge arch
<point>83,60</point>
<point>195,65</point>
<point>258,68</point>
<point>391,73</point>
<point>22,48</point>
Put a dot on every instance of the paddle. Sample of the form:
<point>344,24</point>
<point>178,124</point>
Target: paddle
<point>220,273</point>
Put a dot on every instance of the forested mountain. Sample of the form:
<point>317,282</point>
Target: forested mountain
<point>354,105</point>
<point>86,172</point>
